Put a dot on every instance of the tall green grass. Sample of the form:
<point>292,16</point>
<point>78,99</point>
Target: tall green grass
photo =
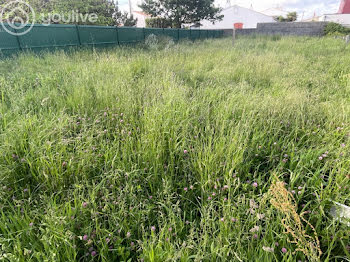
<point>134,154</point>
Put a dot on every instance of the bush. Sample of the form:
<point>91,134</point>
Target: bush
<point>336,29</point>
<point>159,42</point>
<point>158,22</point>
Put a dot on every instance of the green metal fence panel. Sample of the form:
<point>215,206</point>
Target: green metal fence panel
<point>9,43</point>
<point>98,35</point>
<point>184,34</point>
<point>67,36</point>
<point>49,37</point>
<point>216,33</point>
<point>173,33</point>
<point>128,35</point>
<point>195,34</point>
<point>153,31</point>
<point>203,34</point>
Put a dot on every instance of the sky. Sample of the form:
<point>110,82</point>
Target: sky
<point>305,8</point>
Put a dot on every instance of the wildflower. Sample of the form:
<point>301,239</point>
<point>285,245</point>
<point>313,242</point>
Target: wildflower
<point>320,158</point>
<point>300,188</point>
<point>343,145</point>
<point>191,187</point>
<point>108,240</point>
<point>253,204</point>
<point>128,234</point>
<point>225,199</point>
<point>214,194</point>
<point>209,198</point>
<point>25,190</point>
<point>93,253</point>
<point>185,189</point>
<point>222,219</point>
<point>132,244</point>
<point>85,204</point>
<point>170,229</point>
<point>185,152</point>
<point>269,249</point>
<point>121,120</point>
<point>277,244</point>
<point>64,164</point>
<point>261,216</point>
<point>85,237</point>
<point>225,187</point>
<point>255,229</point>
<point>255,236</point>
<point>284,250</point>
<point>153,228</point>
<point>31,224</point>
<point>150,197</point>
<point>105,114</point>
<point>233,219</point>
<point>255,184</point>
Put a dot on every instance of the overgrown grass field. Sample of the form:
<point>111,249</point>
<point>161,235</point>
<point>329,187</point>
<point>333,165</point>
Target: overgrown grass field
<point>195,152</point>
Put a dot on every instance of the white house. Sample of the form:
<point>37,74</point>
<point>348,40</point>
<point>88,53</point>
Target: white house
<point>342,17</point>
<point>141,18</point>
<point>238,15</point>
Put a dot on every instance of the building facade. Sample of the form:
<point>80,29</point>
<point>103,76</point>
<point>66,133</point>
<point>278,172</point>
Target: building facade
<point>239,16</point>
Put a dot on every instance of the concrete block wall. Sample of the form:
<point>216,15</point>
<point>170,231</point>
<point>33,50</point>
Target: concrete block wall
<point>248,31</point>
<point>296,29</point>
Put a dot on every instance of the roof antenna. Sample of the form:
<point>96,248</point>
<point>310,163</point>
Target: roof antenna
<point>228,3</point>
<point>130,7</point>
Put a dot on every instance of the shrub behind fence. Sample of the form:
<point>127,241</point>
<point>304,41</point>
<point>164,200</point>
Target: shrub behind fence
<point>46,37</point>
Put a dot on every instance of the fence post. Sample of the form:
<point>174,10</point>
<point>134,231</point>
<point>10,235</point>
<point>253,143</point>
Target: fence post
<point>233,36</point>
<point>347,39</point>
<point>77,29</point>
<point>18,41</point>
<point>116,29</point>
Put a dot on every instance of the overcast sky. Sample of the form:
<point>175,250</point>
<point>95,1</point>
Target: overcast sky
<point>308,7</point>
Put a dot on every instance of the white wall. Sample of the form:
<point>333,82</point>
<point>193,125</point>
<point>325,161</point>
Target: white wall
<point>141,19</point>
<point>343,19</point>
<point>237,14</point>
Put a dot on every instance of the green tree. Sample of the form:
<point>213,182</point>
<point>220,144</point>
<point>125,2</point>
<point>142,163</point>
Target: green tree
<point>123,18</point>
<point>158,22</point>
<point>104,9</point>
<point>182,11</point>
<point>291,17</point>
<point>107,11</point>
